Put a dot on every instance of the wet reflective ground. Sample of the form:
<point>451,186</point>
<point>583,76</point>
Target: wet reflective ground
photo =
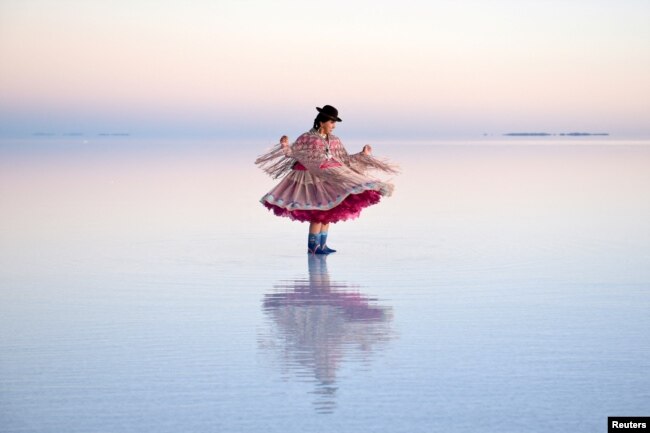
<point>504,287</point>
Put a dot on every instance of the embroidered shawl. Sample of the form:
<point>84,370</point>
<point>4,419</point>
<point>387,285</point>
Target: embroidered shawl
<point>312,151</point>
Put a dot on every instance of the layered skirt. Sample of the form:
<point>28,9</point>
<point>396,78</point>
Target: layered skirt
<point>339,194</point>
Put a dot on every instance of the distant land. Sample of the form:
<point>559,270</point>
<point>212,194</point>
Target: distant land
<point>81,134</point>
<point>546,134</point>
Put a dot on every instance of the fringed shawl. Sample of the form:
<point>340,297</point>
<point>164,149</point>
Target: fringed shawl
<point>310,149</point>
<point>276,162</point>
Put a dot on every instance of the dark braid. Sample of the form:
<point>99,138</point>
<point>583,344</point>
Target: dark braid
<point>319,119</point>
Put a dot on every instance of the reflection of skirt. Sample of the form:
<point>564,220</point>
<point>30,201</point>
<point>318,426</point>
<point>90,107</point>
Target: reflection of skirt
<point>302,196</point>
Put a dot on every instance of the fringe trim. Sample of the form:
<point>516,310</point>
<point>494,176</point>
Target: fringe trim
<point>276,163</point>
<point>362,162</point>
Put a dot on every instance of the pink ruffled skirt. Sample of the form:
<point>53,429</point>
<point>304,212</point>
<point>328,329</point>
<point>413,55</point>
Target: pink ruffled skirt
<point>302,196</point>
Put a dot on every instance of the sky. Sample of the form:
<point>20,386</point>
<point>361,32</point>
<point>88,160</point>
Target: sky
<point>250,68</point>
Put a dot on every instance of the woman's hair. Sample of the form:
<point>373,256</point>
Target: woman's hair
<point>320,118</point>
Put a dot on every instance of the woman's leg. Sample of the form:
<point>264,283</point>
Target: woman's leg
<point>315,228</point>
<point>323,239</point>
<point>313,239</point>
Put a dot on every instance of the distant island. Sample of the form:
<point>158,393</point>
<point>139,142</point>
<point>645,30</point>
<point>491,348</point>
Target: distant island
<point>546,134</point>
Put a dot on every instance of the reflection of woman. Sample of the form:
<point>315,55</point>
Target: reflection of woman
<point>322,184</point>
<point>317,323</point>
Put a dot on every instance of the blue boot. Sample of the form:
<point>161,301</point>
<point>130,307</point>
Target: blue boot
<point>313,244</point>
<point>323,244</point>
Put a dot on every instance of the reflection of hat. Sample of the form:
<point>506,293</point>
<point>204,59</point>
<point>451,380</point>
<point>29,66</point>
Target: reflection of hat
<point>329,111</point>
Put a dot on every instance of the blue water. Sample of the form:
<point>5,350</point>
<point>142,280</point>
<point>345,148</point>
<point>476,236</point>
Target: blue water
<point>503,288</point>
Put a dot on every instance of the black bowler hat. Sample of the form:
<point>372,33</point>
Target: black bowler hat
<point>329,111</point>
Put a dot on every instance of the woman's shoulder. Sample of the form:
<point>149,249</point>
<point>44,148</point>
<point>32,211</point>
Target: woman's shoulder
<point>306,137</point>
<point>335,140</point>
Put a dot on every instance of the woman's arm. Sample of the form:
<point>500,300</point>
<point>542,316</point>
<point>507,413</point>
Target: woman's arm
<point>364,161</point>
<point>278,161</point>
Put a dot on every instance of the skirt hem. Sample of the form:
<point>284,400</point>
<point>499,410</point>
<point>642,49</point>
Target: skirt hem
<point>349,208</point>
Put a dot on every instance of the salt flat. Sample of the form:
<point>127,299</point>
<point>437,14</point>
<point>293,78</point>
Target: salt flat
<point>504,287</point>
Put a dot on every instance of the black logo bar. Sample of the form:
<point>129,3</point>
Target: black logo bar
<point>623,424</point>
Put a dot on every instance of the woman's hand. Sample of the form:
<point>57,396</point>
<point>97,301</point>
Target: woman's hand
<point>284,142</point>
<point>367,149</point>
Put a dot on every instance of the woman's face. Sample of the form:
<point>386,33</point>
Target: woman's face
<point>327,127</point>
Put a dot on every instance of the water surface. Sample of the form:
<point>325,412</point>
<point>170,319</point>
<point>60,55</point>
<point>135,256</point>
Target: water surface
<point>504,287</point>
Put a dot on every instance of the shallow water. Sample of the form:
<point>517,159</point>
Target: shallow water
<point>503,288</point>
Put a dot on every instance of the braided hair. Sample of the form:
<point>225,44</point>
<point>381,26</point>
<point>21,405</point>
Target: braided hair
<point>320,119</point>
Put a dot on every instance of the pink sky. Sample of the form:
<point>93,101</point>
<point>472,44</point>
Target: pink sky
<point>416,69</point>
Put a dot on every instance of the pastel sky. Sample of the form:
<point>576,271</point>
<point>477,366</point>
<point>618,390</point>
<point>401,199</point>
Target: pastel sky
<point>413,69</point>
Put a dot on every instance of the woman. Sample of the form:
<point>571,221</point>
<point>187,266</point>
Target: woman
<point>322,183</point>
